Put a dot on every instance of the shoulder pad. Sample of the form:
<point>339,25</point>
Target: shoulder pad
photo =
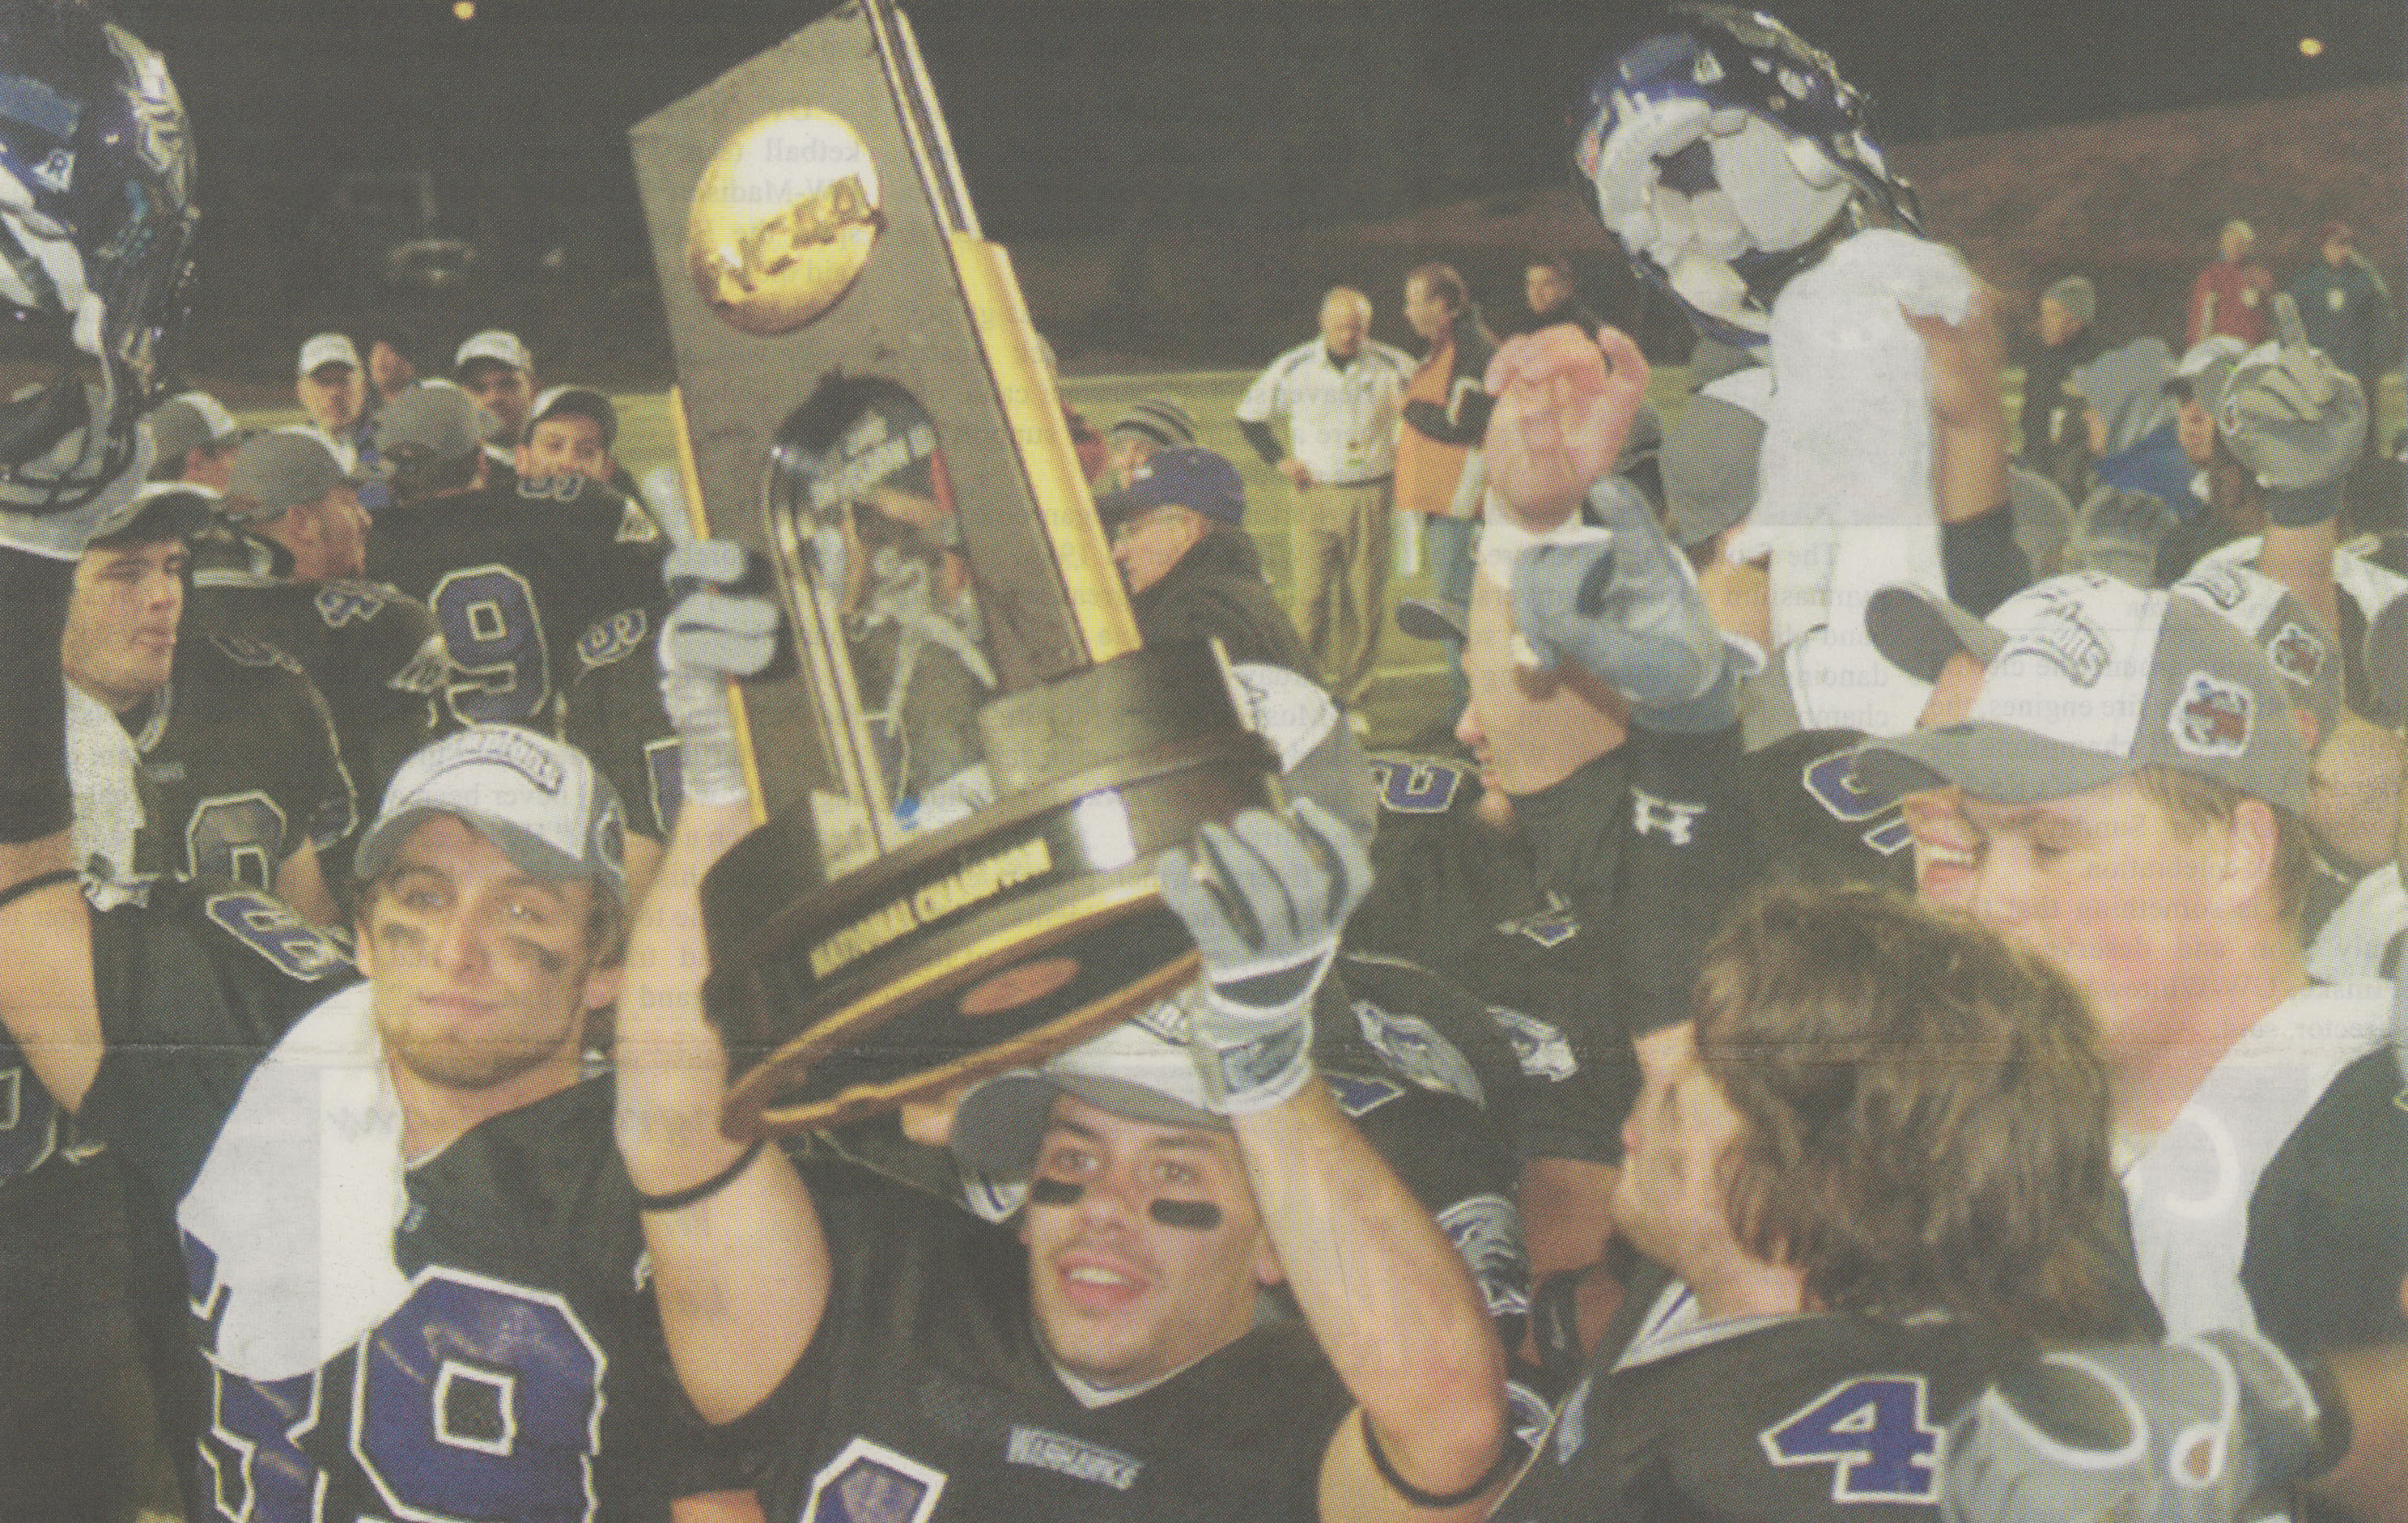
<point>244,651</point>
<point>613,639</point>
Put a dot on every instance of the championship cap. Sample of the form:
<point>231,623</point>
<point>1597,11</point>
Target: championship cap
<point>161,510</point>
<point>187,422</point>
<point>541,801</point>
<point>2272,616</point>
<point>328,349</point>
<point>1190,475</point>
<point>496,346</point>
<point>433,424</point>
<point>583,401</point>
<point>1160,419</point>
<point>2087,679</point>
<point>1140,1069</point>
<point>277,470</point>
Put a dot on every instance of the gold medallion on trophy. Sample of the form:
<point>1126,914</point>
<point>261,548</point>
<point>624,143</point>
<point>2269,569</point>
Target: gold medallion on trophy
<point>782,220</point>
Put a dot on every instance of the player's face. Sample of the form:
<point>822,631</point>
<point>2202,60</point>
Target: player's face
<point>2099,882</point>
<point>1671,1198</point>
<point>2195,430</point>
<point>565,443</point>
<point>1528,729</point>
<point>331,395</point>
<point>484,974</point>
<point>331,537</point>
<point>1426,311</point>
<point>1344,323</point>
<point>505,390</point>
<point>2056,324</point>
<point>1546,289</point>
<point>1122,1296</point>
<point>1147,545</point>
<point>121,635</point>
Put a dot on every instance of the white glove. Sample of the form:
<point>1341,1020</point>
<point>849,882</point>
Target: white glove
<point>713,633</point>
<point>1264,900</point>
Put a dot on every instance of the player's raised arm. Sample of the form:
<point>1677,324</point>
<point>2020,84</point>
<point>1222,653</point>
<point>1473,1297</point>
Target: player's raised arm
<point>738,1264</point>
<point>1386,1297</point>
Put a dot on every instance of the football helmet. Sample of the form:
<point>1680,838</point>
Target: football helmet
<point>95,214</point>
<point>1725,154</point>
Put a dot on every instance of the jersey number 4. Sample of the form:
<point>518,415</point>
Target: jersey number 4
<point>1874,1430</point>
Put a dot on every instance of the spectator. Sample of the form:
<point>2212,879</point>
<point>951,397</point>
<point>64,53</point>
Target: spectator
<point>1340,394</point>
<point>194,439</point>
<point>1151,424</point>
<point>2054,441</point>
<point>233,740</point>
<point>1551,297</point>
<point>283,568</point>
<point>496,369</point>
<point>2346,309</point>
<point>1178,532</point>
<point>333,395</point>
<point>2231,295</point>
<point>389,368</point>
<point>516,573</point>
<point>1445,414</point>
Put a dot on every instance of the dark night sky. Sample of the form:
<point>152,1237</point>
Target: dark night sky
<point>1078,118</point>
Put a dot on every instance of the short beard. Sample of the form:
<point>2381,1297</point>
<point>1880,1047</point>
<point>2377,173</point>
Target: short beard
<point>452,1064</point>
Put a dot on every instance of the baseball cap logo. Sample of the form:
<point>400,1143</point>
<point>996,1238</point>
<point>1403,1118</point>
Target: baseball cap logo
<point>521,753</point>
<point>2212,717</point>
<point>2296,653</point>
<point>2066,640</point>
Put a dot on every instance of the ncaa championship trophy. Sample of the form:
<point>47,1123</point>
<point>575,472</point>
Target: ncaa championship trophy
<point>966,767</point>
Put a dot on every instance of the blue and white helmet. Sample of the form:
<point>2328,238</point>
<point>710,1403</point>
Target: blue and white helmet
<point>1720,151</point>
<point>95,214</point>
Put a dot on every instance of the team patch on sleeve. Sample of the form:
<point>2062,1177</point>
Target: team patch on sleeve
<point>1359,1096</point>
<point>343,603</point>
<point>607,640</point>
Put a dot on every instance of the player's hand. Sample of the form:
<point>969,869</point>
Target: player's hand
<point>2295,419</point>
<point>1298,475</point>
<point>2200,1430</point>
<point>61,533</point>
<point>1265,899</point>
<point>1563,406</point>
<point>1628,609</point>
<point>717,629</point>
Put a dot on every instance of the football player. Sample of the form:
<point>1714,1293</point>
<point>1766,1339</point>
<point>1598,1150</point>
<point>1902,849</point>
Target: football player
<point>516,573</point>
<point>881,1350</point>
<point>233,742</point>
<point>1841,1252</point>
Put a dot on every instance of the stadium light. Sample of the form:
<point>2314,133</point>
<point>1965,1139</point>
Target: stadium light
<point>2311,47</point>
<point>464,11</point>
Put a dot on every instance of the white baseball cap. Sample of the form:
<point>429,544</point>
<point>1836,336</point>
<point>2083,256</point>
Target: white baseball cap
<point>538,799</point>
<point>1140,1069</point>
<point>495,345</point>
<point>328,349</point>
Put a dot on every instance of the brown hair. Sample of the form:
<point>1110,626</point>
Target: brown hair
<point>1925,1113</point>
<point>1441,281</point>
<point>2193,804</point>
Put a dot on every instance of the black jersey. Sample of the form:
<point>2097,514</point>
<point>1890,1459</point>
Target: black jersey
<point>515,575</point>
<point>2328,1248</point>
<point>240,762</point>
<point>1813,825</point>
<point>376,655</point>
<point>1780,1420</point>
<point>615,717</point>
<point>926,1395</point>
<point>522,1373</point>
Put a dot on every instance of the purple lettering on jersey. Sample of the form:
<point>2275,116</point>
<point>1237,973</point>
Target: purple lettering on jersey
<point>869,1482</point>
<point>1874,1430</point>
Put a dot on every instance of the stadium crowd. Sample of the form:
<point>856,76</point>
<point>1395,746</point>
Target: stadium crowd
<point>1877,992</point>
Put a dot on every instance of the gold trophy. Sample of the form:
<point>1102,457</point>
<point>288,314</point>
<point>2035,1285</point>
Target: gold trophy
<point>966,768</point>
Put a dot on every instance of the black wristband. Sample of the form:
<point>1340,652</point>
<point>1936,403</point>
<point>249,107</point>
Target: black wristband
<point>39,881</point>
<point>678,1200</point>
<point>1420,1497</point>
<point>1981,561</point>
<point>35,801</point>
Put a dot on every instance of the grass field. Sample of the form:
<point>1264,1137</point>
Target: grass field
<point>1411,692</point>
